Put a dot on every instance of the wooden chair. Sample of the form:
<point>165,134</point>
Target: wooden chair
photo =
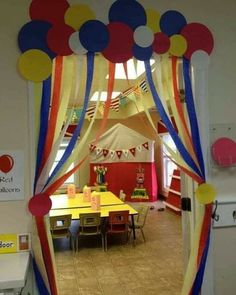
<point>118,223</point>
<point>90,225</point>
<point>60,228</point>
<point>140,219</point>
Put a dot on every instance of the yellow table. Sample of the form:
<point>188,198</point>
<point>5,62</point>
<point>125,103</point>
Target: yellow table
<point>64,202</point>
<point>75,212</point>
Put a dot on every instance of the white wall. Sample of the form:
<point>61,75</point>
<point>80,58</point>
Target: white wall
<point>218,15</point>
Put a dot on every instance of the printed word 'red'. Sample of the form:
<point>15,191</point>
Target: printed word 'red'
<point>6,179</point>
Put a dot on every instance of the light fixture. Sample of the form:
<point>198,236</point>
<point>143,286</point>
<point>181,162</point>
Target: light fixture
<point>103,95</point>
<point>133,71</point>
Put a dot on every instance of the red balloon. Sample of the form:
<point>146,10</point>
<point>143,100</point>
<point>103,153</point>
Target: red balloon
<point>52,11</point>
<point>161,43</point>
<point>40,205</point>
<point>6,163</point>
<point>120,44</point>
<point>198,37</point>
<point>58,39</point>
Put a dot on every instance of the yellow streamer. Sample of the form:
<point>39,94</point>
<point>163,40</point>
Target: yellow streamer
<point>192,263</point>
<point>80,144</point>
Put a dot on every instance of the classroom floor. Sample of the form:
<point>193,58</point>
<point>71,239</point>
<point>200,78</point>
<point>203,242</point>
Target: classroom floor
<point>154,267</point>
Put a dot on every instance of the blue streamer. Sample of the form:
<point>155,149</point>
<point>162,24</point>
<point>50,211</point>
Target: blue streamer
<point>44,113</point>
<point>179,145</point>
<point>192,115</point>
<point>42,289</point>
<point>200,274</point>
<point>76,134</point>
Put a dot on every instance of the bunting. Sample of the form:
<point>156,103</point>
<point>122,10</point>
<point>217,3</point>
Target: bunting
<point>105,151</point>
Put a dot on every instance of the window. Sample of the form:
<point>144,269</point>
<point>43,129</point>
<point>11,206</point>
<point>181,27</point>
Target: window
<point>59,154</point>
<point>167,164</point>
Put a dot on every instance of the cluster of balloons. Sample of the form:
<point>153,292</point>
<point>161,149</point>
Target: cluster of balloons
<point>56,28</point>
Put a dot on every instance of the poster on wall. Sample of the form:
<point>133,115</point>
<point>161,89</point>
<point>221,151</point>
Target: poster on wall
<point>11,175</point>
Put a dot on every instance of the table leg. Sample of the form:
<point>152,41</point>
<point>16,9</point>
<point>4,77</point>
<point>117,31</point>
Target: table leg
<point>133,227</point>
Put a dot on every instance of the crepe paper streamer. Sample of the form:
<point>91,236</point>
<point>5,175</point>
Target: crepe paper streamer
<point>47,257</point>
<point>191,271</point>
<point>184,129</point>
<point>223,151</point>
<point>175,158</point>
<point>192,115</point>
<point>198,37</point>
<point>205,193</point>
<point>171,22</point>
<point>67,91</point>
<point>126,72</point>
<point>50,161</point>
<point>178,45</point>
<point>200,60</point>
<point>52,11</point>
<point>40,205</point>
<point>158,75</point>
<point>58,39</point>
<point>35,65</point>
<point>33,36</point>
<point>58,182</point>
<point>161,43</point>
<point>75,44</point>
<point>143,36</point>
<point>200,274</point>
<point>142,53</point>
<point>110,87</point>
<point>153,19</point>
<point>78,14</point>
<point>128,12</point>
<point>69,88</point>
<point>119,48</point>
<point>58,61</point>
<point>44,113</point>
<point>179,145</point>
<point>76,134</point>
<point>94,35</point>
<point>206,227</point>
<point>41,287</point>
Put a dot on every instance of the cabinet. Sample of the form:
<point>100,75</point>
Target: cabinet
<point>173,200</point>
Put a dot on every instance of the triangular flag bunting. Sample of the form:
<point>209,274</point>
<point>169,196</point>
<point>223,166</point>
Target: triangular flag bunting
<point>126,152</point>
<point>133,151</point>
<point>112,153</point>
<point>139,148</point>
<point>145,145</point>
<point>105,152</point>
<point>119,153</point>
<point>98,151</point>
<point>92,147</point>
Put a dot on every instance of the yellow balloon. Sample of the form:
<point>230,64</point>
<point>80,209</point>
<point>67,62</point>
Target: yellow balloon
<point>205,193</point>
<point>178,45</point>
<point>153,20</point>
<point>35,65</point>
<point>76,15</point>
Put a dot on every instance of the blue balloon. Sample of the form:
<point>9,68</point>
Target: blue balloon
<point>142,53</point>
<point>94,35</point>
<point>129,12</point>
<point>33,35</point>
<point>172,22</point>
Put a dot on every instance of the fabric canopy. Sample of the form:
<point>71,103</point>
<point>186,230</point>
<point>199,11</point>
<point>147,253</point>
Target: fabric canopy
<point>122,144</point>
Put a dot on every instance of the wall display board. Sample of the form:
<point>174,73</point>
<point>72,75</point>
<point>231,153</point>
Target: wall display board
<point>11,175</point>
